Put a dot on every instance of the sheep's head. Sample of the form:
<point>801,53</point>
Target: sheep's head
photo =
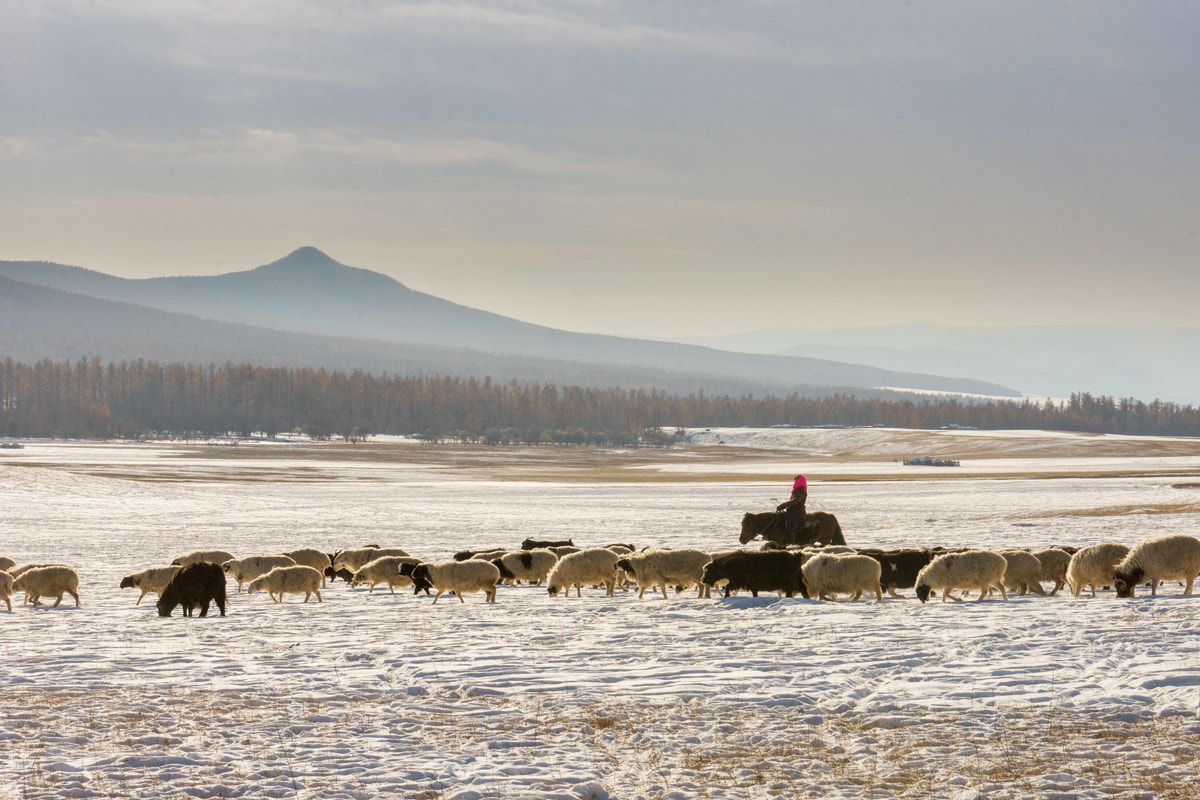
<point>711,575</point>
<point>127,582</point>
<point>229,565</point>
<point>506,574</point>
<point>923,591</point>
<point>1126,582</point>
<point>624,564</point>
<point>164,606</point>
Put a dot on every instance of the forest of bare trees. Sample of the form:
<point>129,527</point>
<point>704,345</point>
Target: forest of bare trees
<point>90,399</point>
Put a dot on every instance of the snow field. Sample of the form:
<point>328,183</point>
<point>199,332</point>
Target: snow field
<point>379,695</point>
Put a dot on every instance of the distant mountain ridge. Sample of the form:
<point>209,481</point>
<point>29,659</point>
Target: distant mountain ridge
<point>309,294</point>
<point>1045,360</point>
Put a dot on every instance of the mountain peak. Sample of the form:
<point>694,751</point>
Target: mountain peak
<point>305,258</point>
<point>308,266</point>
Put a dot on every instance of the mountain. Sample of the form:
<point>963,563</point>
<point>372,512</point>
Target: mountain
<point>267,310</point>
<point>1044,360</point>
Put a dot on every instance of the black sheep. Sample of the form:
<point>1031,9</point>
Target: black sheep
<point>406,569</point>
<point>899,568</point>
<point>194,586</point>
<point>342,573</point>
<point>534,544</point>
<point>758,571</point>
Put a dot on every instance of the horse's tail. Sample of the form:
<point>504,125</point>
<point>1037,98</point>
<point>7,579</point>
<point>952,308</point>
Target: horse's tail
<point>838,538</point>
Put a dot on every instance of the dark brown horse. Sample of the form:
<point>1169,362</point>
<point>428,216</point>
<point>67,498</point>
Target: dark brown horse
<point>819,528</point>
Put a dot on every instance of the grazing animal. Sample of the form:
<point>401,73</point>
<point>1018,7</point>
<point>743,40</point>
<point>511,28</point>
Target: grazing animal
<point>1094,566</point>
<point>532,566</point>
<point>460,577</point>
<point>311,557</point>
<point>583,568</point>
<point>974,569</point>
<point>819,528</point>
<point>419,584</point>
<point>1167,558</point>
<point>211,556</point>
<point>898,569</point>
<point>757,571</point>
<point>1022,571</point>
<point>1054,563</point>
<point>356,558</point>
<point>6,583</point>
<point>293,578</point>
<point>55,581</point>
<point>17,572</point>
<point>539,544</point>
<point>828,575</point>
<point>150,580</point>
<point>342,573</point>
<point>244,570</point>
<point>385,570</point>
<point>194,586</point>
<point>663,568</point>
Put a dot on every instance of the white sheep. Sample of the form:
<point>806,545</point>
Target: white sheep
<point>384,570</point>
<point>244,570</point>
<point>1167,558</point>
<point>460,577</point>
<point>17,572</point>
<point>356,558</point>
<point>584,568</point>
<point>6,588</point>
<point>294,578</point>
<point>828,575</point>
<point>973,569</point>
<point>150,580</point>
<point>663,568</point>
<point>6,563</point>
<point>532,566</point>
<point>1094,565</point>
<point>1023,571</point>
<point>54,581</point>
<point>196,556</point>
<point>311,557</point>
<point>1054,567</point>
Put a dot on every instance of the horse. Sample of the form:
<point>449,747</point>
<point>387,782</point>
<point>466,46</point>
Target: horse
<point>819,528</point>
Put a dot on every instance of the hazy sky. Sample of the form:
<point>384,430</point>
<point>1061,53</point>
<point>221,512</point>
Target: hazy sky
<point>644,168</point>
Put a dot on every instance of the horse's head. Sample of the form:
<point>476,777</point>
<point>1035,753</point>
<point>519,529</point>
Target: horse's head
<point>749,528</point>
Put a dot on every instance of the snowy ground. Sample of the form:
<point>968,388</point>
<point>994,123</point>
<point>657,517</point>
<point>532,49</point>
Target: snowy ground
<point>379,695</point>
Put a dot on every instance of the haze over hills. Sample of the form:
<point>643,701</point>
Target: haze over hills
<point>1048,360</point>
<point>307,309</point>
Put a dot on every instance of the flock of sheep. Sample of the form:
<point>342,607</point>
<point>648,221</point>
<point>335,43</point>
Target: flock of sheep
<point>198,579</point>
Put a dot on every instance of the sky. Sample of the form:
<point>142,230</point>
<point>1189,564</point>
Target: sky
<point>675,168</point>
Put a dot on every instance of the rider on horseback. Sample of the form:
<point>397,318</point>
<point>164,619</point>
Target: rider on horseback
<point>795,515</point>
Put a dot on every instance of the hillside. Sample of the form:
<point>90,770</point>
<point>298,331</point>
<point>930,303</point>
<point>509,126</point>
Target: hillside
<point>304,308</point>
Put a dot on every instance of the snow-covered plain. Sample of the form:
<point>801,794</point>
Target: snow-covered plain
<point>380,695</point>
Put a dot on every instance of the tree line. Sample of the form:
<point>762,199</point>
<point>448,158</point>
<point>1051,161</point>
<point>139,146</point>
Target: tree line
<point>89,399</point>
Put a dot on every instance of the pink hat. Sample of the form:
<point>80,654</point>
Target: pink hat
<point>799,482</point>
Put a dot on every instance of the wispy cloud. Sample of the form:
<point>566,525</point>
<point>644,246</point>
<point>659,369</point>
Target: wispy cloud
<point>244,145</point>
